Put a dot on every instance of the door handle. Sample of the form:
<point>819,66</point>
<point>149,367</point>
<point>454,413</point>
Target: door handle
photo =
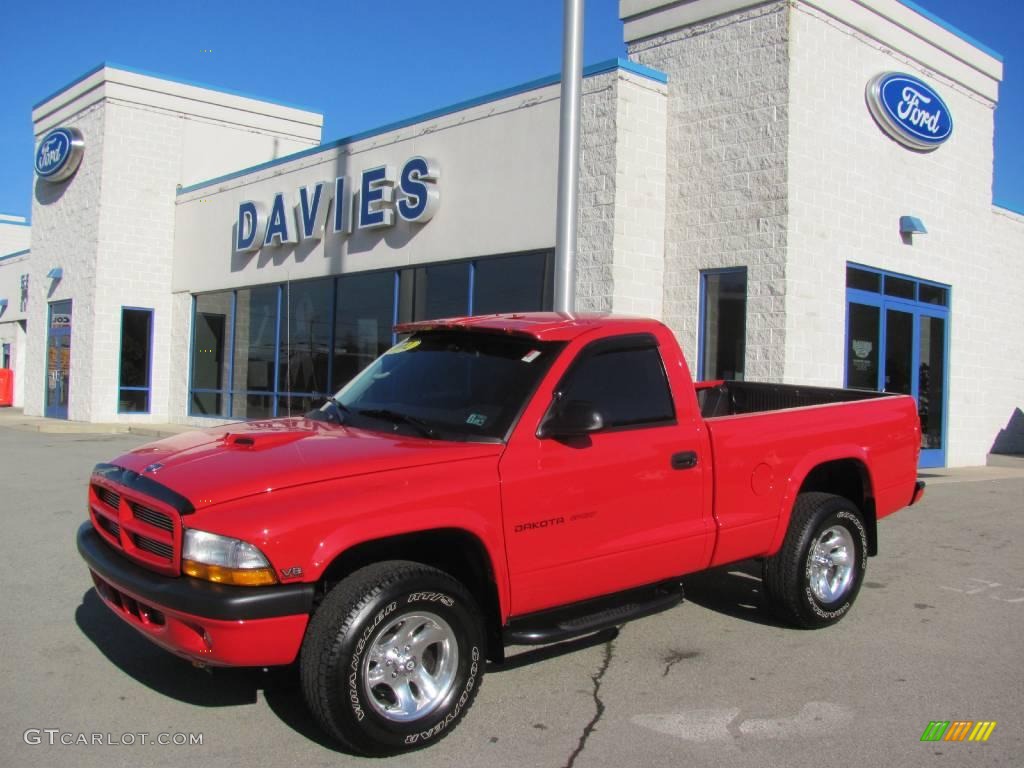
<point>684,460</point>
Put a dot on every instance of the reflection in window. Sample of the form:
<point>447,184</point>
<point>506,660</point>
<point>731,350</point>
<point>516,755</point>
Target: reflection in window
<point>306,309</point>
<point>627,387</point>
<point>513,284</point>
<point>862,349</point>
<point>211,335</point>
<point>931,375</point>
<point>362,324</point>
<point>136,354</point>
<point>255,346</point>
<point>725,324</point>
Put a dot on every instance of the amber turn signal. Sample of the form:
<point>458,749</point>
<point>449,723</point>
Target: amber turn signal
<point>238,577</point>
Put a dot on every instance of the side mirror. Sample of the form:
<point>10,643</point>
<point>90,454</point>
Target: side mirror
<point>571,419</point>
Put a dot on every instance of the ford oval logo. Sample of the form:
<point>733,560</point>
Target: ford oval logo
<point>909,110</point>
<point>59,154</point>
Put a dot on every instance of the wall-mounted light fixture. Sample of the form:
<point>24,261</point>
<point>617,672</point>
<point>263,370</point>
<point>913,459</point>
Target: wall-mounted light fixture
<point>55,274</point>
<point>911,225</point>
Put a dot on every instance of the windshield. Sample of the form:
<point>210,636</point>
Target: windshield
<point>450,385</point>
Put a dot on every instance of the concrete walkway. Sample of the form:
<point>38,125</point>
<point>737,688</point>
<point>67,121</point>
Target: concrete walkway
<point>14,418</point>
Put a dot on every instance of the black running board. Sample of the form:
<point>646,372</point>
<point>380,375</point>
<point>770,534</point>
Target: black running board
<point>566,622</point>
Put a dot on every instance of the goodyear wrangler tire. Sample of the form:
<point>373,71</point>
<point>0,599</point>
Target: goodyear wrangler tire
<point>393,658</point>
<point>814,579</point>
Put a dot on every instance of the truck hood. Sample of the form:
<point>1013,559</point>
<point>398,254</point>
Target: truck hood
<point>212,466</point>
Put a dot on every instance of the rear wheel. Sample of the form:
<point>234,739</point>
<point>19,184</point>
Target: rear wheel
<point>814,579</point>
<point>393,658</point>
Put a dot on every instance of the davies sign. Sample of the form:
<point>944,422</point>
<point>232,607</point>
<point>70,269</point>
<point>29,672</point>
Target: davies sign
<point>383,192</point>
<point>909,110</point>
<point>59,153</point>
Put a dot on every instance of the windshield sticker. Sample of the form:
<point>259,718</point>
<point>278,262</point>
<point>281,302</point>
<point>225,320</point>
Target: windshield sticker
<point>476,419</point>
<point>405,346</point>
<point>532,355</point>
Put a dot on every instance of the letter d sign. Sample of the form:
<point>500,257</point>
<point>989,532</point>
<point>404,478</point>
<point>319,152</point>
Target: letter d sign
<point>251,226</point>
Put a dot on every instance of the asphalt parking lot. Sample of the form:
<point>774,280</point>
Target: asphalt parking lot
<point>936,635</point>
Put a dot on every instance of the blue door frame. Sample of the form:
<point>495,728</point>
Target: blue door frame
<point>58,360</point>
<point>930,457</point>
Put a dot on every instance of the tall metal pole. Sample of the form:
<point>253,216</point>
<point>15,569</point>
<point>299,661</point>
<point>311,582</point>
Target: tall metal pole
<point>568,156</point>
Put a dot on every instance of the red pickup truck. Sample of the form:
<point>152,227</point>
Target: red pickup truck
<point>489,481</point>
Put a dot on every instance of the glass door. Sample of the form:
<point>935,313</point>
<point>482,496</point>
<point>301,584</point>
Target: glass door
<point>58,360</point>
<point>897,340</point>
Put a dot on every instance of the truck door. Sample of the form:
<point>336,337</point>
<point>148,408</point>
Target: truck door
<point>616,508</point>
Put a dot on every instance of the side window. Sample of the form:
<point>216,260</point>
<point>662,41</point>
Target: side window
<point>627,387</point>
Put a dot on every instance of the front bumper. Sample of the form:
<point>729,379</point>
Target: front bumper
<point>205,622</point>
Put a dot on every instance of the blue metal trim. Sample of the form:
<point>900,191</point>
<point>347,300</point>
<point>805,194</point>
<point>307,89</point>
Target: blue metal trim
<point>394,305</point>
<point>701,318</point>
<point>276,391</point>
<point>179,81</point>
<point>8,222</point>
<point>950,28</point>
<point>56,411</point>
<point>334,336</point>
<point>16,253</point>
<point>594,69</point>
<point>229,393</point>
<point>191,356</point>
<point>472,284</point>
<point>1006,205</point>
<point>930,457</point>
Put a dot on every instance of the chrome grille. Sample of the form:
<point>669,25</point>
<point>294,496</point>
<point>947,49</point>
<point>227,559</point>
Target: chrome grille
<point>154,547</point>
<point>153,517</point>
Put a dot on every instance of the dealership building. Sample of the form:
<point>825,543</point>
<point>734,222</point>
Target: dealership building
<point>800,189</point>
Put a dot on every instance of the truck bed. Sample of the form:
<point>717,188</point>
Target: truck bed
<point>766,437</point>
<point>731,398</point>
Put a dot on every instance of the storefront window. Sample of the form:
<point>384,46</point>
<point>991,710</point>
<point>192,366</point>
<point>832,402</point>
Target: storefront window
<point>724,325</point>
<point>307,315</point>
<point>255,356</point>
<point>136,354</point>
<point>278,350</point>
<point>512,284</point>
<point>211,337</point>
<point>362,323</point>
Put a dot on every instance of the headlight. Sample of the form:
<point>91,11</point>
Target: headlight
<point>224,560</point>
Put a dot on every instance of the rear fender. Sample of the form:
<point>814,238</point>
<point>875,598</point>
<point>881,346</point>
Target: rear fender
<point>803,469</point>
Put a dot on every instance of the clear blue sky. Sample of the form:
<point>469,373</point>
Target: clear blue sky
<point>364,64</point>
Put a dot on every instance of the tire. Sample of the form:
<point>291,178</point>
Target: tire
<point>393,658</point>
<point>813,580</point>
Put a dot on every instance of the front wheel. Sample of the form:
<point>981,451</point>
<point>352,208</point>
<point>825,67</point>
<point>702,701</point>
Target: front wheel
<point>814,578</point>
<point>393,658</point>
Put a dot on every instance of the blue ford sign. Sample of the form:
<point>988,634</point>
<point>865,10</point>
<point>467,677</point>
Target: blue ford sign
<point>909,110</point>
<point>59,153</point>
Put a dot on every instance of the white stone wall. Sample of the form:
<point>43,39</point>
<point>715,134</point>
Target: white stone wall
<point>620,239</point>
<point>66,234</point>
<point>1001,423</point>
<point>15,234</point>
<point>849,183</point>
<point>726,170</point>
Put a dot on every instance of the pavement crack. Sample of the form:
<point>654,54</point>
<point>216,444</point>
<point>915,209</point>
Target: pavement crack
<point>596,678</point>
<point>674,657</point>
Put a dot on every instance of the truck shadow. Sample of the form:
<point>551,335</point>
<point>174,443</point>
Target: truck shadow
<point>733,590</point>
<point>176,678</point>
